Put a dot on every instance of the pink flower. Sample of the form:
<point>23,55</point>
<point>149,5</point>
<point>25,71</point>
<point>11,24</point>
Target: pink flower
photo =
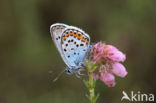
<point>114,54</point>
<point>108,79</point>
<point>97,51</point>
<point>102,51</point>
<point>119,70</point>
<point>107,58</point>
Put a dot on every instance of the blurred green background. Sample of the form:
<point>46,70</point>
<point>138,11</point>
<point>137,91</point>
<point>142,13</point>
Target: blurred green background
<point>29,60</point>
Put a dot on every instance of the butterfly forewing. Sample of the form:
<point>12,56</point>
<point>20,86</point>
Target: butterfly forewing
<point>56,31</point>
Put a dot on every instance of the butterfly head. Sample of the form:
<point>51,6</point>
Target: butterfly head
<point>68,71</point>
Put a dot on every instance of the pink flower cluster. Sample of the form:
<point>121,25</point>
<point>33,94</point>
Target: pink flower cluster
<point>107,59</point>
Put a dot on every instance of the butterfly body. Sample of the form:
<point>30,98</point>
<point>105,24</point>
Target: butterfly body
<point>73,45</point>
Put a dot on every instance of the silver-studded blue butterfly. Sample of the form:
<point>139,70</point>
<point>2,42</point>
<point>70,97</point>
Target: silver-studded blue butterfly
<point>73,45</point>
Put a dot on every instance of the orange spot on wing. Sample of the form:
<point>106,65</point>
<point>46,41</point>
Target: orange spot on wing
<point>79,37</point>
<point>64,38</point>
<point>75,35</point>
<point>67,34</point>
<point>83,39</point>
<point>72,33</point>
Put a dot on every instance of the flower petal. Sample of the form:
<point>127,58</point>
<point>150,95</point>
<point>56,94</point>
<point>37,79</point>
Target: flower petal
<point>108,79</point>
<point>115,54</point>
<point>119,70</point>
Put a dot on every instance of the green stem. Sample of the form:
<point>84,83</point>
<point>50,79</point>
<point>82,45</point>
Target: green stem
<point>91,87</point>
<point>90,84</point>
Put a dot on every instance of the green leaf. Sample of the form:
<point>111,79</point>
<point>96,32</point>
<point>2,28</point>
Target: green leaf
<point>97,96</point>
<point>93,67</point>
<point>88,97</point>
<point>87,64</point>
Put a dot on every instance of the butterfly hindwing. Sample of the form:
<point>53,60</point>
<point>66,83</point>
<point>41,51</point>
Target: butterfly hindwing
<point>75,44</point>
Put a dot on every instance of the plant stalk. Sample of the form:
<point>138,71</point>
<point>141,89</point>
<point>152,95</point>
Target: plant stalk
<point>91,87</point>
<point>90,83</point>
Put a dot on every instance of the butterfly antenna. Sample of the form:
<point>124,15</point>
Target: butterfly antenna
<point>59,75</point>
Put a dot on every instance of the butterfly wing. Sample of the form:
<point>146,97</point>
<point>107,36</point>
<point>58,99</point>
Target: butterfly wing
<point>56,34</point>
<point>75,45</point>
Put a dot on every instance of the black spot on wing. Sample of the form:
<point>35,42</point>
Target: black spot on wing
<point>77,45</point>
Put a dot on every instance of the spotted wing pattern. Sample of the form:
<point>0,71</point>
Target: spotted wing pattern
<point>75,45</point>
<point>56,33</point>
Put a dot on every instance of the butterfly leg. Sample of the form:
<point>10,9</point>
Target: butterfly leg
<point>78,76</point>
<point>82,64</point>
<point>79,73</point>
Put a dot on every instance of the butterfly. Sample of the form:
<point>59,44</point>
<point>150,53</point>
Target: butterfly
<point>73,45</point>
